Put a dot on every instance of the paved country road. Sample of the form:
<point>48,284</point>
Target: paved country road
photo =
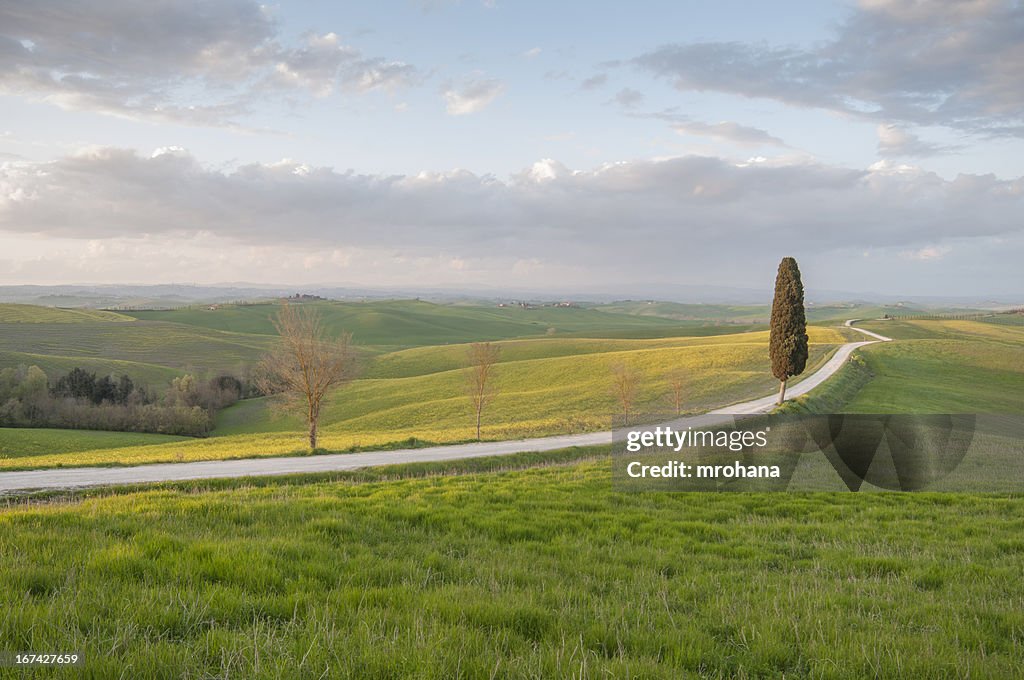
<point>65,478</point>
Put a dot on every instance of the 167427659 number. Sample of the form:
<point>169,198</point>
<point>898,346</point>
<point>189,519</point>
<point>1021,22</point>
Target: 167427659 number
<point>22,659</point>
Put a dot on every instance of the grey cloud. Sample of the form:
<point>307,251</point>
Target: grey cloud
<point>728,131</point>
<point>651,211</point>
<point>628,98</point>
<point>594,82</point>
<point>950,62</point>
<point>147,60</point>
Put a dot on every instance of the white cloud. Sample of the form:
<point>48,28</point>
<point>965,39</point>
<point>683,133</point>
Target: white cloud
<point>471,96</point>
<point>325,63</point>
<point>532,52</point>
<point>171,151</point>
<point>185,61</point>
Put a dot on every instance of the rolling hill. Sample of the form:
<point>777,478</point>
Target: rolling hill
<point>15,313</point>
<point>413,323</point>
<point>936,366</point>
<point>545,386</point>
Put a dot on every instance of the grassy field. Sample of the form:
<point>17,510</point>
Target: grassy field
<point>545,386</point>
<point>682,311</point>
<point>13,313</point>
<point>160,345</point>
<point>527,565</point>
<point>1005,319</point>
<point>54,366</point>
<point>26,442</point>
<point>153,343</point>
<point>759,314</point>
<point>556,385</point>
<point>539,572</point>
<point>413,323</point>
<point>934,367</point>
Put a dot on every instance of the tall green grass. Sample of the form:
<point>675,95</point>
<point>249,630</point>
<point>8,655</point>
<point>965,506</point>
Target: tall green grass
<point>536,573</point>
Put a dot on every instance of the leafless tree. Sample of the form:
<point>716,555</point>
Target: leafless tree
<point>481,358</point>
<point>677,384</point>
<point>306,364</point>
<point>625,383</point>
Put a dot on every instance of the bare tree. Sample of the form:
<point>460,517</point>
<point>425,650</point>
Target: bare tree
<point>306,364</point>
<point>677,384</point>
<point>625,383</point>
<point>481,357</point>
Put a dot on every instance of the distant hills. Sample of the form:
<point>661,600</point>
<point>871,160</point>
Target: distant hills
<point>170,296</point>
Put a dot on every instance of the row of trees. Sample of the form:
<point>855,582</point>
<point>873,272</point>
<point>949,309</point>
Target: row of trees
<point>82,400</point>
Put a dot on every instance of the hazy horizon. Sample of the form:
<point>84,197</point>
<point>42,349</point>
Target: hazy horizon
<point>119,295</point>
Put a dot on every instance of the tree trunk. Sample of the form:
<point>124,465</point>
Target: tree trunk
<point>782,392</point>
<point>313,415</point>
<point>478,424</point>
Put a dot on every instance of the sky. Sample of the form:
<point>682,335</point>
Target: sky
<point>533,145</point>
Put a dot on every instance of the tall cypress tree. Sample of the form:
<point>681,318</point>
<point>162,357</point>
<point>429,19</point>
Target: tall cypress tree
<point>788,344</point>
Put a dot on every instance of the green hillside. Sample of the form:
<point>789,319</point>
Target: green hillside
<point>934,367</point>
<point>156,346</point>
<point>13,313</point>
<point>140,372</point>
<point>411,323</point>
<point>423,360</point>
<point>175,346</point>
<point>27,442</point>
<point>759,314</point>
<point>689,312</point>
<point>545,386</point>
<point>536,396</point>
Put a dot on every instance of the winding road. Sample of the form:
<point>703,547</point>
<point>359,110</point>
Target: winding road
<point>67,478</point>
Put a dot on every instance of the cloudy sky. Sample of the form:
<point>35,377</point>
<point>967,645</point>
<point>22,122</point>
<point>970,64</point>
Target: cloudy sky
<point>514,143</point>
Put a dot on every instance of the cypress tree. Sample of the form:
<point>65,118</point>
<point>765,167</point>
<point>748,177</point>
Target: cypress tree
<point>788,344</point>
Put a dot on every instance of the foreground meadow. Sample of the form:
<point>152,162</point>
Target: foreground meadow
<point>538,572</point>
